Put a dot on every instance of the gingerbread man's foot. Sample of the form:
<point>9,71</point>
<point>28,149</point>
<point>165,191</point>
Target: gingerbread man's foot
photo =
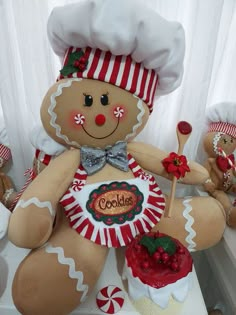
<point>231,217</point>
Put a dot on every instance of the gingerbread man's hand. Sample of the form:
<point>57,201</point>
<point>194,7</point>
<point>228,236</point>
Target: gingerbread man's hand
<point>209,186</point>
<point>8,191</point>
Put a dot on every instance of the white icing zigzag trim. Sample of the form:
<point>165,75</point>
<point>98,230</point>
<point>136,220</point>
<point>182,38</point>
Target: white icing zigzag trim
<point>215,142</point>
<point>73,274</point>
<point>37,203</point>
<point>139,118</point>
<point>54,116</point>
<point>188,225</point>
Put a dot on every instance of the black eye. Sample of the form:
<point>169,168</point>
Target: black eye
<point>88,100</point>
<point>225,141</point>
<point>104,99</point>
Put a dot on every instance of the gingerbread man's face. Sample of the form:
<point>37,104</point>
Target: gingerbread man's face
<point>215,140</point>
<point>77,112</point>
<point>227,143</point>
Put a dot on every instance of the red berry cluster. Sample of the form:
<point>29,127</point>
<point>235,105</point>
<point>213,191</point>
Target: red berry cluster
<point>162,257</point>
<point>80,63</point>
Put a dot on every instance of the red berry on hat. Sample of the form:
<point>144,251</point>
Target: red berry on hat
<point>76,63</point>
<point>82,67</point>
<point>83,60</point>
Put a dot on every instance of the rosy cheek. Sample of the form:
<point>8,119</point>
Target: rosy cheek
<point>119,112</point>
<point>76,119</point>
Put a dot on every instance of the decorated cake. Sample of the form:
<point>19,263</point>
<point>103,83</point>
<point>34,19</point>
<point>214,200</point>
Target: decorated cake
<point>157,267</point>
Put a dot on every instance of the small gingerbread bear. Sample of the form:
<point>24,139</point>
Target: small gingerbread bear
<point>7,190</point>
<point>219,144</point>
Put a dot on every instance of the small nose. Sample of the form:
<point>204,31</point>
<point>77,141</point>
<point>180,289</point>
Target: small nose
<point>100,119</point>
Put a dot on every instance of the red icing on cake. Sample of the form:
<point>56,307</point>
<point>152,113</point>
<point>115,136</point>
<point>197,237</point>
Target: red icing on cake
<point>158,270</point>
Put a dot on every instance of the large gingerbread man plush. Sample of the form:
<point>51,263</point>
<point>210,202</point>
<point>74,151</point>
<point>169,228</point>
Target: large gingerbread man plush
<point>97,190</point>
<point>220,144</point>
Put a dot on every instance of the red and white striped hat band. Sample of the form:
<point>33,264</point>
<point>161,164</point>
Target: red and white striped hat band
<point>229,129</point>
<point>5,152</point>
<point>121,71</point>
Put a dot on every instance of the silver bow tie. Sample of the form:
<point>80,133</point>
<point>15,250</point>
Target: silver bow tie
<point>94,159</point>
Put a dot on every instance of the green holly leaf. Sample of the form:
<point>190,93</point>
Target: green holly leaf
<point>152,244</point>
<point>75,56</point>
<point>167,243</point>
<point>68,70</point>
<point>149,243</point>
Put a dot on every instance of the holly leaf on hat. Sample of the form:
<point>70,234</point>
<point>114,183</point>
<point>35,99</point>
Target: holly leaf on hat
<point>75,56</point>
<point>76,63</point>
<point>68,70</point>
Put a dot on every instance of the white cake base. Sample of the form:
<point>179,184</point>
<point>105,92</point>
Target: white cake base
<point>137,289</point>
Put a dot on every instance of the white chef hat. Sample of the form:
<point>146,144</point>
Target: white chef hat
<point>221,117</point>
<point>121,42</point>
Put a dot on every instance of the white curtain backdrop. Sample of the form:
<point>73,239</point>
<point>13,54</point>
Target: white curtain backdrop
<point>29,67</point>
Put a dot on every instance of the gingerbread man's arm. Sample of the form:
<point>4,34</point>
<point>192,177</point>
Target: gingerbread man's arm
<point>31,222</point>
<point>209,185</point>
<point>150,158</point>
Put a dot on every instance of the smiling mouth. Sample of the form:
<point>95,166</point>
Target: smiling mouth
<point>89,134</point>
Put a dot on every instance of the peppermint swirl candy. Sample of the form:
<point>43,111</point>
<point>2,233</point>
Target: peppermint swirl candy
<point>110,299</point>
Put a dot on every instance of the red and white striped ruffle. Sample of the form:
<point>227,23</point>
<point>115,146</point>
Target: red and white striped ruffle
<point>115,235</point>
<point>5,152</point>
<point>121,71</point>
<point>229,129</point>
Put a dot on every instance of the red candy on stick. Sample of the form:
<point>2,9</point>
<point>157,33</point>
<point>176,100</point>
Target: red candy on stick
<point>183,131</point>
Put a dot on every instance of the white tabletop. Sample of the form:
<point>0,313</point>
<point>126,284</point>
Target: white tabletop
<point>10,257</point>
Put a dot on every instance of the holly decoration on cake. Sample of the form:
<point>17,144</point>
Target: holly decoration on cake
<point>152,244</point>
<point>163,250</point>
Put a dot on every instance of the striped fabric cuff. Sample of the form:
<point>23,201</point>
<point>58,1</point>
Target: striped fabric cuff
<point>121,71</point>
<point>229,129</point>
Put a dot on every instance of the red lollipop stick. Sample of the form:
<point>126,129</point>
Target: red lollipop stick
<point>183,131</point>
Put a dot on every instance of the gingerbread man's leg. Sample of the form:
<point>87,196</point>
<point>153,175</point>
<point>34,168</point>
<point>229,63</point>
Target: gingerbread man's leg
<point>198,222</point>
<point>229,208</point>
<point>56,278</point>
